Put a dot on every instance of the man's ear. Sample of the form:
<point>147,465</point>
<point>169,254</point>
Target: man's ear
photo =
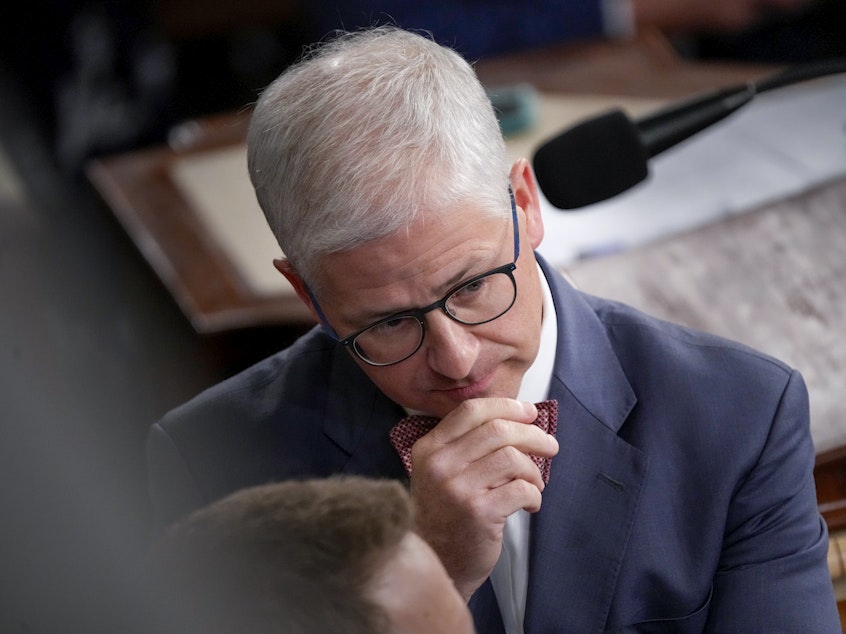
<point>526,197</point>
<point>284,266</point>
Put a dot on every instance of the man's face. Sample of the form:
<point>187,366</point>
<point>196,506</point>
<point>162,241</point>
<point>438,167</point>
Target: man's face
<point>416,267</point>
<point>418,594</point>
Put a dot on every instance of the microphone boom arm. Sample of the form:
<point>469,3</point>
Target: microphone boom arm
<point>670,126</point>
<point>603,156</point>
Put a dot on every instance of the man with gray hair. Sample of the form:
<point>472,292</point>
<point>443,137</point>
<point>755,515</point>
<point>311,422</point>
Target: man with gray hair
<point>666,483</point>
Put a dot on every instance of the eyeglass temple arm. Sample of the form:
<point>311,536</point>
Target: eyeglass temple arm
<point>514,222</point>
<point>320,315</point>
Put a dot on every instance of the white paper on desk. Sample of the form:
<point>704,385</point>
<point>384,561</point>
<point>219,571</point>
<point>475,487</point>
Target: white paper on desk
<point>782,143</point>
<point>218,188</point>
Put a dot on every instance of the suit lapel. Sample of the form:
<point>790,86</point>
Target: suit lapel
<point>358,418</point>
<point>579,537</point>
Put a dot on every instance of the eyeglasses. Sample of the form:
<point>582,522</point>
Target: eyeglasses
<point>479,300</point>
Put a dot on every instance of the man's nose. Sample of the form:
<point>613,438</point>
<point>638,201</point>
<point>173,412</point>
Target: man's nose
<point>451,348</point>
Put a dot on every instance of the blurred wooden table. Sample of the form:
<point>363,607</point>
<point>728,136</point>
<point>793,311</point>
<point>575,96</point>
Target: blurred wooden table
<point>647,67</point>
<point>139,188</point>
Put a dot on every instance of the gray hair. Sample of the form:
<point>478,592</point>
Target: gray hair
<point>351,143</point>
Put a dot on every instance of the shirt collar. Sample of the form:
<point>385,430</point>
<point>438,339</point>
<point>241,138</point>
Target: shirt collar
<point>535,385</point>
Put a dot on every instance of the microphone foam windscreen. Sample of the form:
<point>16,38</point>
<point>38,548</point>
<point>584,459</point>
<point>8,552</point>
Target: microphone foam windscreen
<point>591,162</point>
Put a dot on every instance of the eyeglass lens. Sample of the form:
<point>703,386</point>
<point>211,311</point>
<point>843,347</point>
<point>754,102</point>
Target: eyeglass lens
<point>480,300</point>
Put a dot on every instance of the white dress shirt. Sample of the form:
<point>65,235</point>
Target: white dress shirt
<point>510,576</point>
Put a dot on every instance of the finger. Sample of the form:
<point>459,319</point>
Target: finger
<point>475,412</point>
<point>497,433</point>
<point>511,497</point>
<point>465,483</point>
<point>501,467</point>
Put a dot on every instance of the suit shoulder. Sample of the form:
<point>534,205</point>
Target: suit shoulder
<point>291,375</point>
<point>261,425</point>
<point>632,328</point>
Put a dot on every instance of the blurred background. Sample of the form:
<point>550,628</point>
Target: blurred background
<point>92,347</point>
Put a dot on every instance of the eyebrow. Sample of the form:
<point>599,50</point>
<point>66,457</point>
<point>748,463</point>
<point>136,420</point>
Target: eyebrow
<point>364,319</point>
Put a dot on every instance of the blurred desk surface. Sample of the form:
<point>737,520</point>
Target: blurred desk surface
<point>139,187</point>
<point>647,68</point>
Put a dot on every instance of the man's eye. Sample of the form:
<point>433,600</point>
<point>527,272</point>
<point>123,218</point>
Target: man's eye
<point>471,289</point>
<point>390,327</point>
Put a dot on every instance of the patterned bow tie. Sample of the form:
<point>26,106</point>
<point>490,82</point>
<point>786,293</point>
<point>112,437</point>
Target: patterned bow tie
<point>410,429</point>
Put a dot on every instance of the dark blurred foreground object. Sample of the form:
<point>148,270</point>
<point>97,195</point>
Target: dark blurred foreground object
<point>110,75</point>
<point>117,89</point>
<point>818,32</point>
<point>335,554</point>
<point>784,31</point>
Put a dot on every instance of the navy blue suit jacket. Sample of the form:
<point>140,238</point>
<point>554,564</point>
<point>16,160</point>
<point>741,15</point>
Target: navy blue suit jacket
<point>682,499</point>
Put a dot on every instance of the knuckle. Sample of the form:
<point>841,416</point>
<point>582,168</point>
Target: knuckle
<point>471,407</point>
<point>420,449</point>
<point>508,458</point>
<point>438,465</point>
<point>523,488</point>
<point>477,506</point>
<point>499,429</point>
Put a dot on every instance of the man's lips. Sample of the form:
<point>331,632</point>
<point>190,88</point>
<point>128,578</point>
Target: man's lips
<point>468,389</point>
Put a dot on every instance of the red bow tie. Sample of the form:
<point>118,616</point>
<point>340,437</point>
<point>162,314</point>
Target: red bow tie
<point>410,429</point>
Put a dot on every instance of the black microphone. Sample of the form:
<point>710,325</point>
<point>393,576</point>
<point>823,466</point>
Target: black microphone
<point>604,156</point>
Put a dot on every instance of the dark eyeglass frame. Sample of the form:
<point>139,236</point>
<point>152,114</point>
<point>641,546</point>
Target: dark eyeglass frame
<point>419,313</point>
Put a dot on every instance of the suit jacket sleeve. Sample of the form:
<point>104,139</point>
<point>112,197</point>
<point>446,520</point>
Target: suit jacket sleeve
<point>772,575</point>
